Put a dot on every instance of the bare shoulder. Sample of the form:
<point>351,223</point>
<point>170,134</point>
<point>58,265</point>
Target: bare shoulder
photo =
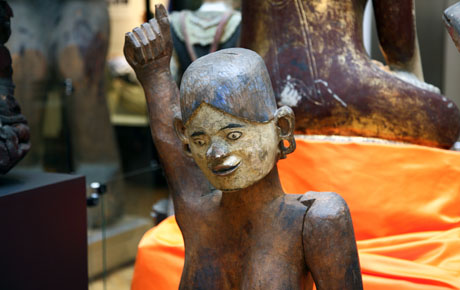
<point>329,241</point>
<point>319,205</point>
<point>326,213</point>
<point>324,205</point>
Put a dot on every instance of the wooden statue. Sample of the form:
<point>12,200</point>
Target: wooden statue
<point>63,44</point>
<point>14,132</point>
<point>452,21</point>
<point>317,63</point>
<point>242,231</point>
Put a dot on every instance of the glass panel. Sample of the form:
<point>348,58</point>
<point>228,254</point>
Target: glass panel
<point>87,116</point>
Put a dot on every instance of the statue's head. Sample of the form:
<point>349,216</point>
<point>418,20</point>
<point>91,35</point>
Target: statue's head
<point>230,122</point>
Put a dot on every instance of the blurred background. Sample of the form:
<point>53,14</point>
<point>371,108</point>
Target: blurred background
<point>88,116</point>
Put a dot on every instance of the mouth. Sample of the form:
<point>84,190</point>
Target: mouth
<point>227,167</point>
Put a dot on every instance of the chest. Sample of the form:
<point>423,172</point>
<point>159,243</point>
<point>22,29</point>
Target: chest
<point>254,253</point>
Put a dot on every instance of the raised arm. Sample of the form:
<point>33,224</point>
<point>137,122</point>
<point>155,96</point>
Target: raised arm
<point>148,50</point>
<point>329,242</point>
<point>397,34</point>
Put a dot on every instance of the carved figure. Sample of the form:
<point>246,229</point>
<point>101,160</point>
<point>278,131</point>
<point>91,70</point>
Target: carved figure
<point>317,63</point>
<point>64,44</point>
<point>14,132</point>
<point>246,233</point>
<point>61,46</point>
<point>452,21</point>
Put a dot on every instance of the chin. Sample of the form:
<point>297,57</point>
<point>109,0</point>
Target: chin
<point>233,181</point>
<point>235,187</point>
<point>230,189</point>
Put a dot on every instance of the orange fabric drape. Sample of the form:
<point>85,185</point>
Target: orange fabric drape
<point>160,258</point>
<point>404,201</point>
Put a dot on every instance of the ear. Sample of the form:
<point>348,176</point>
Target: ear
<point>284,118</point>
<point>180,132</point>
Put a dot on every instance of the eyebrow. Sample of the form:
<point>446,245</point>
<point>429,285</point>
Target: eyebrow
<point>229,126</point>
<point>199,133</point>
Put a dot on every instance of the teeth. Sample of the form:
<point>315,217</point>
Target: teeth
<point>228,165</point>
<point>230,161</point>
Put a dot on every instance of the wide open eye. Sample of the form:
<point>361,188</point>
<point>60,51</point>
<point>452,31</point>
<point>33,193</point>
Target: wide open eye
<point>199,142</point>
<point>234,135</point>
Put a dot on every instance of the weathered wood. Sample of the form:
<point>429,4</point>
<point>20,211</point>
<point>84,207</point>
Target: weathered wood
<point>63,44</point>
<point>246,234</point>
<point>14,132</point>
<point>317,63</point>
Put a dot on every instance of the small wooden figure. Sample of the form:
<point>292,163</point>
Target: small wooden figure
<point>64,43</point>
<point>60,46</point>
<point>241,231</point>
<point>14,131</point>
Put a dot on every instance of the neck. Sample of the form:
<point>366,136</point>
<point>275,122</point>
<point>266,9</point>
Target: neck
<point>259,194</point>
<point>219,6</point>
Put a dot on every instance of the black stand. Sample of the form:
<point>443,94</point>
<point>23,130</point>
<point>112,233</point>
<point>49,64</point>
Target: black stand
<point>43,235</point>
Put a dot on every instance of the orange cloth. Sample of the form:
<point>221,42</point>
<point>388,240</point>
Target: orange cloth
<point>404,201</point>
<point>160,258</point>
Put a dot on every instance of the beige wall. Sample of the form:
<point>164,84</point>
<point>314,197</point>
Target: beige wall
<point>123,18</point>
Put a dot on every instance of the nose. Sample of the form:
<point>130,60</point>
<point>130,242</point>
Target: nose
<point>217,150</point>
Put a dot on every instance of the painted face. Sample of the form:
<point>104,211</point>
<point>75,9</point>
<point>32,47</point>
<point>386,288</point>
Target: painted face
<point>233,153</point>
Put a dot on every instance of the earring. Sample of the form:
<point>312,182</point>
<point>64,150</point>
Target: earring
<point>286,150</point>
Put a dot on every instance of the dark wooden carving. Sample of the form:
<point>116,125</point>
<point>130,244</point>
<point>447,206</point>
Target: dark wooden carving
<point>14,132</point>
<point>314,53</point>
<point>246,234</point>
<point>62,45</point>
<point>59,47</point>
<point>452,20</point>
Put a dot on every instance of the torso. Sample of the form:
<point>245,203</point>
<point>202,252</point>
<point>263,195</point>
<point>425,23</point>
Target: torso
<point>244,250</point>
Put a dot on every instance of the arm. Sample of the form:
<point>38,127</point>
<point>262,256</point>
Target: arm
<point>148,50</point>
<point>329,242</point>
<point>397,34</point>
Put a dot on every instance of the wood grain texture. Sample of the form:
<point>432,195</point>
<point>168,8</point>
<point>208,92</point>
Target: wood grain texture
<point>62,45</point>
<point>317,63</point>
<point>256,236</point>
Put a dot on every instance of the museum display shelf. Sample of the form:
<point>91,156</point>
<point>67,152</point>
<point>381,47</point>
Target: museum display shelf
<point>43,241</point>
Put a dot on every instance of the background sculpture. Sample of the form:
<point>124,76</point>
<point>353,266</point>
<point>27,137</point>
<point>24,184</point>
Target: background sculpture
<point>250,234</point>
<point>318,66</point>
<point>59,47</point>
<point>62,46</point>
<point>14,132</point>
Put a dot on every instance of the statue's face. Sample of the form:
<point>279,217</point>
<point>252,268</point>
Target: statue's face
<point>233,153</point>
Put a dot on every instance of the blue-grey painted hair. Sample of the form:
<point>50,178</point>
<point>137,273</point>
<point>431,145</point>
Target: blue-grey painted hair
<point>233,80</point>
